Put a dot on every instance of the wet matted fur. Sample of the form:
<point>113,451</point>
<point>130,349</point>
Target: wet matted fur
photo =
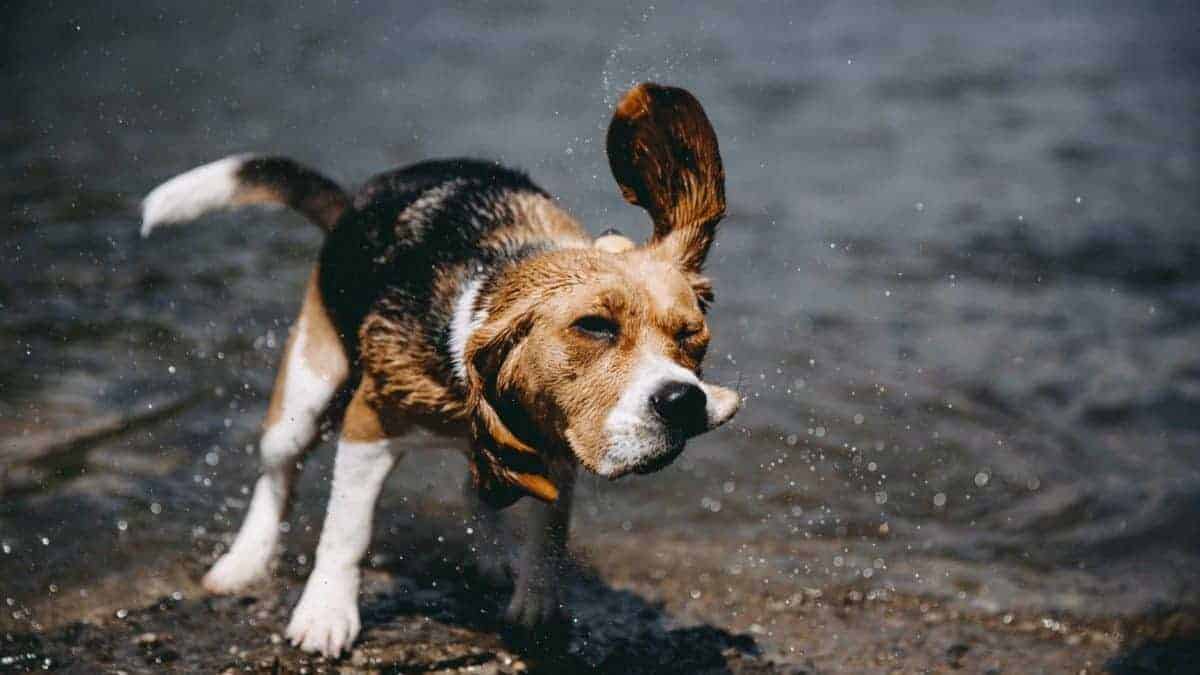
<point>456,295</point>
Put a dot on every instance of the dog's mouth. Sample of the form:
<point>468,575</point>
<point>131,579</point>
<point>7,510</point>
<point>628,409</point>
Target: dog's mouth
<point>652,449</point>
<point>660,461</point>
<point>676,440</point>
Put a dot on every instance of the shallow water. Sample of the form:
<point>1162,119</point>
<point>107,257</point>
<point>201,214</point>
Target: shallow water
<point>958,284</point>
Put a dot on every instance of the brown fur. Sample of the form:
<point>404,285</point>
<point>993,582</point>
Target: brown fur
<point>366,420</point>
<point>664,155</point>
<point>322,349</point>
<point>527,357</point>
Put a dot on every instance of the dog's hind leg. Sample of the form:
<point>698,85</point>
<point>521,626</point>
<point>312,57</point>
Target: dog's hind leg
<point>326,619</point>
<point>314,368</point>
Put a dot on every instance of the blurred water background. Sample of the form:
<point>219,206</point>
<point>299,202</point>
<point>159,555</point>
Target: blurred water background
<point>959,283</point>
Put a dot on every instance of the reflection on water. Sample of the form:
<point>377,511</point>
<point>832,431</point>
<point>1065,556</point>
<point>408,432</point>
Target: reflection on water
<point>958,283</point>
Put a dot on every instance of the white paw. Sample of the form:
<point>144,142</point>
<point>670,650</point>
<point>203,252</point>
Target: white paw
<point>326,619</point>
<point>235,572</point>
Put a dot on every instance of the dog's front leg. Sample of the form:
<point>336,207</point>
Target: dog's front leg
<point>536,600</point>
<point>326,619</point>
<point>489,545</point>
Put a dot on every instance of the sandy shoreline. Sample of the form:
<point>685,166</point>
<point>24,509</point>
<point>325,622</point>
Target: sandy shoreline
<point>425,610</point>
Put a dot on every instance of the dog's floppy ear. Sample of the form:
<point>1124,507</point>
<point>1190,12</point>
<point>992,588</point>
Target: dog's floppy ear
<point>664,156</point>
<point>503,466</point>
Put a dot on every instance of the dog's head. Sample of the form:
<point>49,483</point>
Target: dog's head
<point>595,353</point>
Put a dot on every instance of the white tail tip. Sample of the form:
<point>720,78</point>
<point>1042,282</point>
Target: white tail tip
<point>189,195</point>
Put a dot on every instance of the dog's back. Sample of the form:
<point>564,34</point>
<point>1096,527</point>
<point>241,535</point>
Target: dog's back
<point>415,235</point>
<point>404,259</point>
<point>412,252</point>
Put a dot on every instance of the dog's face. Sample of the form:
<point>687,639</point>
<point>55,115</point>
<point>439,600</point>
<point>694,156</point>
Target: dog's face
<point>608,366</point>
<point>598,352</point>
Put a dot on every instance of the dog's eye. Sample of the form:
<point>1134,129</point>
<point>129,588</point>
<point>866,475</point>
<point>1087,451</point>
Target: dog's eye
<point>687,333</point>
<point>598,327</point>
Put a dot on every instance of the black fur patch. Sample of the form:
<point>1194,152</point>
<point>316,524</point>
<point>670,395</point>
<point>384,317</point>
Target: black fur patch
<point>406,225</point>
<point>301,188</point>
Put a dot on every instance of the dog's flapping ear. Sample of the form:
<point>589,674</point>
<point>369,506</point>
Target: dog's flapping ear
<point>503,466</point>
<point>664,156</point>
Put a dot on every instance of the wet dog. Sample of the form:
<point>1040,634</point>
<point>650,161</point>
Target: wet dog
<point>457,296</point>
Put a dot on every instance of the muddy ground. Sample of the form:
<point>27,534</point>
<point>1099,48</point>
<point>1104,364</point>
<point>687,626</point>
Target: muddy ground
<point>425,611</point>
<point>639,602</point>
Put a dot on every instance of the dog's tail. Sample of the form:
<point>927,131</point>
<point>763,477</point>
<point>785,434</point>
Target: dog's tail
<point>240,180</point>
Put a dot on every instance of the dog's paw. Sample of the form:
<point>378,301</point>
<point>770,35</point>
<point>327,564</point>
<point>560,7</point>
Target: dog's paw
<point>326,619</point>
<point>535,605</point>
<point>537,620</point>
<point>234,573</point>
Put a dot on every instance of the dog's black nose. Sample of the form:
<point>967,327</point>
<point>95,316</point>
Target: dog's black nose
<point>682,406</point>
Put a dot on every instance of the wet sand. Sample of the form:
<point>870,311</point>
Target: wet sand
<point>674,607</point>
<point>124,595</point>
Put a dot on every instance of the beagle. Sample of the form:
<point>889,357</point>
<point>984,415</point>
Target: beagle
<point>457,296</point>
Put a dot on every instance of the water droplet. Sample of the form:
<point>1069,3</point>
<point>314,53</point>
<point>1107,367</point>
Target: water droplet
<point>982,478</point>
<point>156,508</point>
<point>939,499</point>
<point>122,525</point>
<point>858,419</point>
